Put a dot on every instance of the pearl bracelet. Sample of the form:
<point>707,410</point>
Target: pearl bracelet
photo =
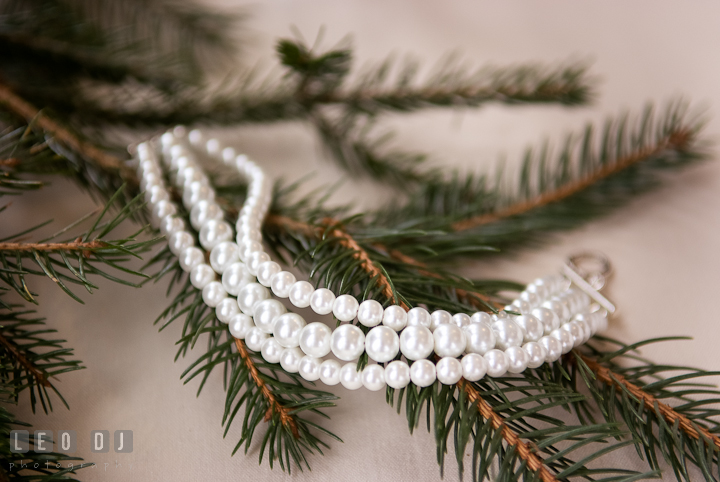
<point>554,317</point>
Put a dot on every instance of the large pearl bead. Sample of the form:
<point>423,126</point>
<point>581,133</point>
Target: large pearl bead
<point>190,258</point>
<point>531,326</point>
<point>322,301</point>
<point>536,354</point>
<point>373,377</point>
<point>419,317</point>
<point>350,377</point>
<point>497,363</point>
<point>171,225</point>
<point>266,313</point>
<point>266,271</point>
<point>395,317</point>
<point>461,319</point>
<point>382,344</point>
<point>195,192</point>
<point>370,313</point>
<point>255,337</point>
<point>422,373</point>
<point>315,339</point>
<point>287,329</point>
<point>223,255</point>
<point>290,359</point>
<point>271,350</point>
<point>507,333</point>
<point>240,325</point>
<point>449,370</point>
<point>548,318</point>
<point>481,317</point>
<point>439,317</point>
<point>565,338</point>
<point>250,295</point>
<point>397,374</point>
<point>345,307</point>
<point>236,277</point>
<point>517,359</point>
<point>300,293</point>
<point>330,372</point>
<point>226,309</point>
<point>309,368</point>
<point>215,232</point>
<point>449,340</point>
<point>179,242</point>
<point>348,342</point>
<point>203,212</point>
<point>553,347</point>
<point>201,275</point>
<point>575,329</point>
<point>416,342</point>
<point>480,338</point>
<point>474,367</point>
<point>281,283</point>
<point>255,260</point>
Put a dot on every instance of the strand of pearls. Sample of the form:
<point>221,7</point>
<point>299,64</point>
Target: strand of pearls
<point>554,317</point>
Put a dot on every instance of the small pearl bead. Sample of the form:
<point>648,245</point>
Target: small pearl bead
<point>213,293</point>
<point>162,210</point>
<point>309,368</point>
<point>538,289</point>
<point>507,333</point>
<point>553,347</point>
<point>203,212</point>
<point>300,293</point>
<point>214,232</point>
<point>201,275</point>
<point>382,344</point>
<point>228,156</point>
<point>240,325</point>
<point>397,374</point>
<point>565,338</point>
<point>223,255</point>
<point>250,295</point>
<point>195,192</point>
<point>266,313</point>
<point>586,329</point>
<point>575,329</point>
<point>449,370</point>
<point>439,317</point>
<point>247,249</point>
<point>416,342</point>
<point>521,306</point>
<point>449,340</point>
<point>530,297</point>
<point>422,373</point>
<point>536,354</point>
<point>395,317</point>
<point>255,260</point>
<point>212,146</point>
<point>322,301</point>
<point>548,318</point>
<point>226,309</point>
<point>418,317</point>
<point>531,326</point>
<point>290,359</point>
<point>287,329</point>
<point>345,308</point>
<point>330,372</point>
<point>271,350</point>
<point>482,317</point>
<point>266,271</point>
<point>236,277</point>
<point>517,359</point>
<point>315,339</point>
<point>349,376</point>
<point>254,338</point>
<point>373,377</point>
<point>500,315</point>
<point>348,342</point>
<point>171,225</point>
<point>474,367</point>
<point>497,363</point>
<point>281,283</point>
<point>461,319</point>
<point>180,241</point>
<point>480,338</point>
<point>190,257</point>
<point>156,194</point>
<point>370,313</point>
<point>557,307</point>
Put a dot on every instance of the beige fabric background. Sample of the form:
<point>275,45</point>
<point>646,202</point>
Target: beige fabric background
<point>665,245</point>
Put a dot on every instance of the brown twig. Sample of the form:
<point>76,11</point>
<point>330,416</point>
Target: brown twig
<point>72,246</point>
<point>273,405</point>
<point>10,162</point>
<point>608,377</point>
<point>39,376</point>
<point>675,140</point>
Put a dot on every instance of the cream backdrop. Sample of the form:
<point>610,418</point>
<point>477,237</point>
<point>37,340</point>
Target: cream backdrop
<point>665,245</point>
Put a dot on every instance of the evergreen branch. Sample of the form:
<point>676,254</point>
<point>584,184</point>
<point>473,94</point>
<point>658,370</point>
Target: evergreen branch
<point>22,360</point>
<point>76,245</point>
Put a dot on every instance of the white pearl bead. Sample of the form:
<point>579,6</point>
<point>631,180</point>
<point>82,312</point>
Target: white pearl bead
<point>322,301</point>
<point>520,306</point>
<point>370,313</point>
<point>348,342</point>
<point>345,307</point>
<point>266,313</point>
<point>557,307</point>
<point>575,329</point>
<point>212,146</point>
<point>150,179</point>
<point>517,359</point>
<point>449,370</point>
<point>548,318</point>
<point>309,368</point>
<point>290,359</point>
<point>497,363</point>
<point>373,377</point>
<point>156,194</point>
<point>500,315</point>
<point>179,242</point>
<point>228,155</point>
<point>162,210</point>
<point>395,317</point>
<point>474,367</point>
<point>213,233</point>
<point>330,372</point>
<point>530,297</point>
<point>266,271</point>
<point>382,344</point>
<point>536,354</point>
<point>565,338</point>
<point>213,293</point>
<point>507,333</point>
<point>226,309</point>
<point>171,225</point>
<point>480,338</point>
<point>247,248</point>
<point>240,325</point>
<point>349,376</point>
<point>201,275</point>
<point>287,329</point>
<point>418,317</point>
<point>300,293</point>
<point>271,350</point>
<point>461,319</point>
<point>315,339</point>
<point>531,326</point>
<point>281,283</point>
<point>250,295</point>
<point>416,342</point>
<point>422,373</point>
<point>223,255</point>
<point>397,374</point>
<point>586,329</point>
<point>255,338</point>
<point>190,257</point>
<point>255,260</point>
<point>204,211</point>
<point>482,317</point>
<point>553,347</point>
<point>538,289</point>
<point>236,277</point>
<point>449,340</point>
<point>439,317</point>
<point>195,192</point>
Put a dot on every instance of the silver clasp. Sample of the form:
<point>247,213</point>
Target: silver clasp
<point>589,271</point>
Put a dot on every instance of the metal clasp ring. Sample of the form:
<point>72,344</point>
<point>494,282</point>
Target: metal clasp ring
<point>590,271</point>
